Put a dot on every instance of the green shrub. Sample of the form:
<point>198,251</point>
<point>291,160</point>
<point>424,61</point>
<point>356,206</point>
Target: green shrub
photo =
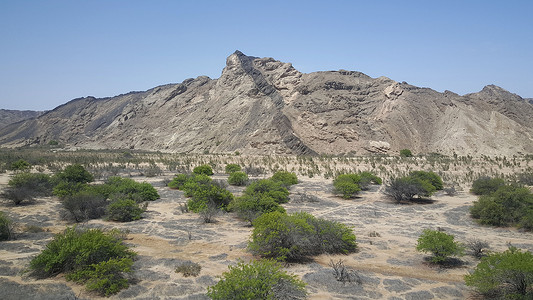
<point>124,210</point>
<point>506,206</point>
<point>367,178</point>
<point>65,188</point>
<point>406,153</point>
<point>346,185</point>
<point>27,186</point>
<point>138,191</point>
<point>297,236</point>
<point>95,257</point>
<point>232,168</point>
<point>250,207</point>
<point>238,178</point>
<point>189,269</point>
<point>263,279</point>
<point>84,205</point>
<point>20,165</point>
<point>209,195</point>
<point>178,181</point>
<point>486,185</point>
<point>430,177</point>
<point>6,228</point>
<point>440,244</point>
<point>75,174</point>
<point>285,177</point>
<point>106,277</point>
<point>270,188</point>
<point>203,169</point>
<point>506,275</point>
<point>194,183</point>
<point>406,188</point>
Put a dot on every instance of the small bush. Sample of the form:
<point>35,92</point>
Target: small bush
<point>285,178</point>
<point>178,181</point>
<point>367,178</point>
<point>238,178</point>
<point>406,188</point>
<point>124,210</point>
<point>203,169</point>
<point>6,228</point>
<point>406,153</point>
<point>440,244</point>
<point>297,236</point>
<point>477,248</point>
<point>486,185</point>
<point>270,188</point>
<point>27,186</point>
<point>95,257</point>
<point>64,188</point>
<point>263,279</point>
<point>209,195</point>
<point>250,207</point>
<point>506,275</point>
<point>346,185</point>
<point>232,168</point>
<point>430,177</point>
<point>75,174</point>
<point>82,206</point>
<point>526,178</point>
<point>343,273</point>
<point>20,165</point>
<point>138,191</point>
<point>189,269</point>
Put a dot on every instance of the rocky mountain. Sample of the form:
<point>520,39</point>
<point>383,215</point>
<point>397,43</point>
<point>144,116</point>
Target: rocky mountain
<point>12,116</point>
<point>264,106</point>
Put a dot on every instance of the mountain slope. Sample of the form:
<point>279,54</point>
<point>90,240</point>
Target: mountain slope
<point>12,116</point>
<point>263,106</point>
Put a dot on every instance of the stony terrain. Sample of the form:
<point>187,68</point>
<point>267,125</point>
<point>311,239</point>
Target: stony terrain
<point>264,106</point>
<point>386,260</point>
<point>13,116</point>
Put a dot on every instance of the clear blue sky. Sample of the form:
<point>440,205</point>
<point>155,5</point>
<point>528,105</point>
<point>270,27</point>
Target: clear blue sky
<point>54,51</point>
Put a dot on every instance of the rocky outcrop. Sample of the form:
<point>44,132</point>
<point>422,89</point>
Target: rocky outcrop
<point>263,106</point>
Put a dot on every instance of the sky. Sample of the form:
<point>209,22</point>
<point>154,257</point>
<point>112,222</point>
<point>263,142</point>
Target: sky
<point>54,51</point>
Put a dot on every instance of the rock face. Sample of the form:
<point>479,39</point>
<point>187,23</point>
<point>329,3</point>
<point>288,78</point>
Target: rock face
<point>12,116</point>
<point>263,106</point>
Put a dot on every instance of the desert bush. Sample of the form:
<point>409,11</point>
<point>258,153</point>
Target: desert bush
<point>506,275</point>
<point>450,191</point>
<point>238,178</point>
<point>27,186</point>
<point>526,222</point>
<point>203,169</point>
<point>525,178</point>
<point>254,171</point>
<point>477,248</point>
<point>367,178</point>
<point>343,273</point>
<point>194,183</point>
<point>178,181</point>
<point>206,195</point>
<point>250,207</point>
<point>208,212</point>
<point>406,153</point>
<point>506,206</point>
<point>138,191</point>
<point>152,171</point>
<point>270,188</point>
<point>486,185</point>
<point>285,178</point>
<point>84,205</point>
<point>346,185</point>
<point>75,174</point>
<point>297,236</point>
<point>440,244</point>
<point>124,210</point>
<point>6,228</point>
<point>64,188</point>
<point>20,165</point>
<point>430,177</point>
<point>231,168</point>
<point>263,279</point>
<point>94,257</point>
<point>189,268</point>
<point>406,188</point>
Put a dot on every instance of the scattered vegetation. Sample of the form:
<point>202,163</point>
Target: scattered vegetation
<point>232,168</point>
<point>203,169</point>
<point>260,279</point>
<point>94,257</point>
<point>297,236</point>
<point>188,269</point>
<point>440,244</point>
<point>6,228</point>
<point>506,275</point>
<point>238,178</point>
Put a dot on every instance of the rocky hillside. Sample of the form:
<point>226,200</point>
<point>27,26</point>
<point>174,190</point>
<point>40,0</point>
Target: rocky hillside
<point>12,116</point>
<point>263,106</point>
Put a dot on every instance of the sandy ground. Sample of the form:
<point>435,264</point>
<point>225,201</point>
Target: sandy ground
<point>386,260</point>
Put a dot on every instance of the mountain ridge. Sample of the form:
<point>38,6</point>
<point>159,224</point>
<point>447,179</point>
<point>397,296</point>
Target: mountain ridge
<point>264,106</point>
